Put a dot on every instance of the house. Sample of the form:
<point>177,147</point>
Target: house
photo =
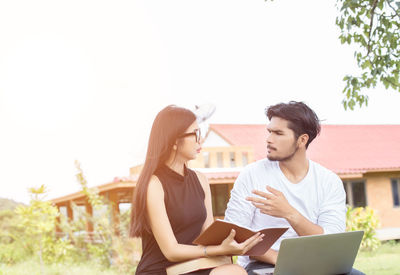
<point>366,158</point>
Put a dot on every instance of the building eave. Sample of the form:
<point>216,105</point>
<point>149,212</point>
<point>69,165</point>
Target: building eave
<point>100,189</point>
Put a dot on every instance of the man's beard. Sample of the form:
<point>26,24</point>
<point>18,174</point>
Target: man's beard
<point>285,158</point>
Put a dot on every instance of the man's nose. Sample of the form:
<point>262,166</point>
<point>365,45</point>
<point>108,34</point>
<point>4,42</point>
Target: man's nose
<point>269,138</point>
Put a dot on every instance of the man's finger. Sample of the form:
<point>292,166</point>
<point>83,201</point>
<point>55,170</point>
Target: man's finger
<point>259,206</point>
<point>263,194</point>
<point>257,200</point>
<point>262,207</point>
<point>265,209</point>
<point>273,190</point>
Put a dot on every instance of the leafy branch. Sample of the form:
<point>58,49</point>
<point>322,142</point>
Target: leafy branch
<point>377,45</point>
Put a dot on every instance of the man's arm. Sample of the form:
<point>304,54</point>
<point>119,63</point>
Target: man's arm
<point>269,257</point>
<point>276,205</point>
<point>332,212</point>
<point>239,210</point>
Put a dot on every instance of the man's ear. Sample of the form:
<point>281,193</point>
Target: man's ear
<point>302,140</point>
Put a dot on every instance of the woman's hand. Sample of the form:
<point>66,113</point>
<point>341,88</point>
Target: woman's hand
<point>230,247</point>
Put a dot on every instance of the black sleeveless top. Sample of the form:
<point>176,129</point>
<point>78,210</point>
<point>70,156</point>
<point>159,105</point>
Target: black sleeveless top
<point>184,201</point>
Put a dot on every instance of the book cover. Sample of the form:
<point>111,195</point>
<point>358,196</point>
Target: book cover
<point>219,230</point>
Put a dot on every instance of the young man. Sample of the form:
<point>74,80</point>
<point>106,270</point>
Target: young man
<point>287,189</point>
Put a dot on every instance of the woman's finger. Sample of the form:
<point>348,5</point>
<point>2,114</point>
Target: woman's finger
<point>254,242</point>
<point>251,239</point>
<point>231,235</point>
<point>251,244</point>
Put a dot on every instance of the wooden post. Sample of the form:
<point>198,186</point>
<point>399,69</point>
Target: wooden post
<point>89,211</point>
<point>114,200</point>
<point>70,213</point>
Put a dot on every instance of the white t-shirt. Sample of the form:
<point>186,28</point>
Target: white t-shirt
<point>319,197</point>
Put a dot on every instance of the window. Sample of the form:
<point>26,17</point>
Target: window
<point>100,211</point>
<point>245,158</point>
<point>355,193</point>
<point>124,206</point>
<point>220,160</point>
<point>232,159</point>
<point>79,212</point>
<point>63,211</point>
<point>220,197</point>
<point>206,157</point>
<point>395,192</point>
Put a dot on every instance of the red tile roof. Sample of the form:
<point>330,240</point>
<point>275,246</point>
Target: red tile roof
<point>244,135</point>
<point>342,148</point>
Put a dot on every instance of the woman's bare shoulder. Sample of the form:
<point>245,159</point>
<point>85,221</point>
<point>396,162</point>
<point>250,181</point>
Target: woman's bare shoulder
<point>202,178</point>
<point>155,184</point>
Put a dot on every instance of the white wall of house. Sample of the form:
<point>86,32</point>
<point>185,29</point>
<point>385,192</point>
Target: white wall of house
<point>215,140</point>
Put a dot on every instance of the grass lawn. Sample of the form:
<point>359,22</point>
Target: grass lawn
<point>384,261</point>
<point>32,267</point>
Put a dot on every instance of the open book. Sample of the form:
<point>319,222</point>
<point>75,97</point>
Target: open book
<point>197,264</point>
<point>219,230</point>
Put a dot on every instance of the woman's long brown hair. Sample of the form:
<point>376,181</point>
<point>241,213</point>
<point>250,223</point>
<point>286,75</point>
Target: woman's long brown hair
<point>169,124</point>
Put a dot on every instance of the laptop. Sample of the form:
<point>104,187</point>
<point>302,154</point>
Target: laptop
<point>317,254</point>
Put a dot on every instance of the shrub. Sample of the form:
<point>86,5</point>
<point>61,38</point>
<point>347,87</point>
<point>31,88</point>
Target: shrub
<point>364,219</point>
<point>11,253</point>
<point>37,223</point>
<point>8,226</point>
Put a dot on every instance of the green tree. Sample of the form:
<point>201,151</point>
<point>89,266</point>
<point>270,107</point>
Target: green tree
<point>38,221</point>
<point>373,27</point>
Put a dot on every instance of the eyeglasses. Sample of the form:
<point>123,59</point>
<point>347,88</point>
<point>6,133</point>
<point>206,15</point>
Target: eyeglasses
<point>196,133</point>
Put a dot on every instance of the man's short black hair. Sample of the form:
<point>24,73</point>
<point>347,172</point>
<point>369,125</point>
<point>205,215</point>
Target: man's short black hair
<point>302,119</point>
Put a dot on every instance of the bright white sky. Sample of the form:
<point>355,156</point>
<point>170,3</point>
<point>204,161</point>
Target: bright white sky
<point>84,79</point>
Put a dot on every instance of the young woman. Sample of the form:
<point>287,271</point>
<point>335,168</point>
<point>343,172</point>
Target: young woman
<point>172,203</point>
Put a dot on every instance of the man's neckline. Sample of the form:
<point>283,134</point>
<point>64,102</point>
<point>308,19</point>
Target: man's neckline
<point>301,180</point>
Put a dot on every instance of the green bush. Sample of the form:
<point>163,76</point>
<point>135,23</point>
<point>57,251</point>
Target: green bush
<point>37,222</point>
<point>11,253</point>
<point>364,219</point>
<point>29,231</point>
<point>8,226</point>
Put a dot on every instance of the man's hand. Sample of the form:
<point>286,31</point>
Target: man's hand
<point>274,204</point>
